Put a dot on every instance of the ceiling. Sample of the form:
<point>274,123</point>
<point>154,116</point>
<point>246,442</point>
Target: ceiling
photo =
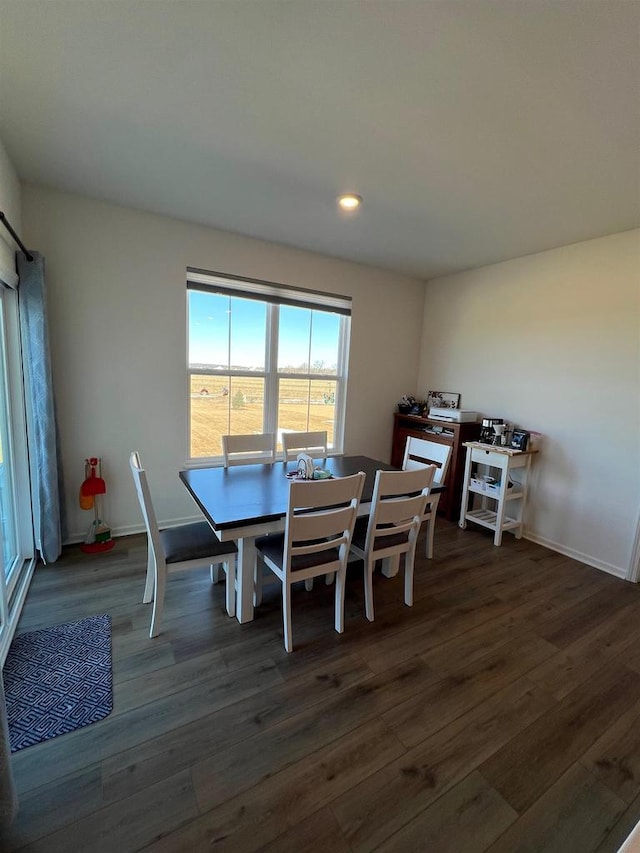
<point>475,130</point>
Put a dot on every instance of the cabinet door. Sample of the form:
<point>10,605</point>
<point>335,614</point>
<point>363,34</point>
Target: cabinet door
<point>405,426</point>
<point>397,447</point>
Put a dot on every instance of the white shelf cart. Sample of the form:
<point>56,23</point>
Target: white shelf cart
<point>501,506</point>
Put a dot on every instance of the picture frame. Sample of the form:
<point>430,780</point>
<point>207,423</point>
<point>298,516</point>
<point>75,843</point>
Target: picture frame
<point>442,400</point>
<point>519,439</point>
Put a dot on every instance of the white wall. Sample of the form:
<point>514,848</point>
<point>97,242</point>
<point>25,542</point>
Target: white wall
<point>9,192</point>
<point>552,342</point>
<point>10,206</point>
<point>117,311</point>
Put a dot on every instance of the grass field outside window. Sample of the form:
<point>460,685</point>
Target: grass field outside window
<point>261,367</point>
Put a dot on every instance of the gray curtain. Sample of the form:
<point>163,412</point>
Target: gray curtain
<point>44,455</point>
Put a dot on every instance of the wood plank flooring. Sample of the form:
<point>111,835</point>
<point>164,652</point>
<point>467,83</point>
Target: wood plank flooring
<point>500,714</point>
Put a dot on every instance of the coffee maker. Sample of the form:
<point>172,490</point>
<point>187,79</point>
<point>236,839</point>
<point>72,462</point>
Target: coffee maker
<point>487,433</point>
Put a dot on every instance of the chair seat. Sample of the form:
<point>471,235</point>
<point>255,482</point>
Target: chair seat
<point>272,547</point>
<point>193,542</point>
<point>360,537</point>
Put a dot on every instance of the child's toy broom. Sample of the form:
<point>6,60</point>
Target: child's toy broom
<point>99,535</point>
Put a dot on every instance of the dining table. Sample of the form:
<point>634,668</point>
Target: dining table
<point>244,502</point>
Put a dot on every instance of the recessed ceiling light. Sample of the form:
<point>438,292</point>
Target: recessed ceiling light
<point>349,201</point>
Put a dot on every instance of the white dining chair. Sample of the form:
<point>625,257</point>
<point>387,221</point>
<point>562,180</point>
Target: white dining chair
<point>248,448</point>
<point>312,443</point>
<point>397,510</point>
<point>418,453</point>
<point>187,546</point>
<point>244,450</point>
<point>319,525</point>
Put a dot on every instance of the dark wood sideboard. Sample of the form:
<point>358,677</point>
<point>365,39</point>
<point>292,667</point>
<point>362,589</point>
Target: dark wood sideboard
<point>444,433</point>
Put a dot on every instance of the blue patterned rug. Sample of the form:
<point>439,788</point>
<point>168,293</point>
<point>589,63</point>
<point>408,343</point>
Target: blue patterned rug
<point>58,680</point>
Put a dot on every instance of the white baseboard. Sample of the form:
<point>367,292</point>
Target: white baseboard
<point>576,555</point>
<point>131,529</point>
<point>617,571</point>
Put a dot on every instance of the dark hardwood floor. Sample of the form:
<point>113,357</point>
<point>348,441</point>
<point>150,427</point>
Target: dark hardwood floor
<point>500,714</point>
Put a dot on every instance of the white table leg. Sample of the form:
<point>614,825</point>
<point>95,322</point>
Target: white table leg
<point>501,509</point>
<point>246,563</point>
<point>391,566</point>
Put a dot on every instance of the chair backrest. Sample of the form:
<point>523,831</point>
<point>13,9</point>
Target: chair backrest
<point>245,449</point>
<point>144,497</point>
<point>312,443</point>
<point>320,518</point>
<point>397,507</point>
<point>419,452</point>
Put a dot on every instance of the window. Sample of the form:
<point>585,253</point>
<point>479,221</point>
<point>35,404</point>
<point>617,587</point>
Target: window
<point>263,358</point>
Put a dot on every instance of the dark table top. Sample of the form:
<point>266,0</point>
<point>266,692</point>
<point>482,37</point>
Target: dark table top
<point>255,494</point>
